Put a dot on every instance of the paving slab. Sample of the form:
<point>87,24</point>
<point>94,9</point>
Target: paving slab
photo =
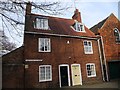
<point>110,84</point>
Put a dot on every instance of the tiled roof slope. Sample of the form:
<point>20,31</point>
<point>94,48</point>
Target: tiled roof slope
<point>98,26</point>
<point>63,26</point>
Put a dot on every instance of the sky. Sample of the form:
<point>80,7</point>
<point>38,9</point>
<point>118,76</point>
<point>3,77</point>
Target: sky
<point>92,12</point>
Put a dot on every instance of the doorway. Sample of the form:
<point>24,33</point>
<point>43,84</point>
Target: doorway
<point>64,77</point>
<point>76,74</point>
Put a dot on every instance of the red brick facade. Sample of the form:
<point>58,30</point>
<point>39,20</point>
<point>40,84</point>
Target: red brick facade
<point>13,69</point>
<point>111,47</point>
<point>61,53</point>
<point>67,48</point>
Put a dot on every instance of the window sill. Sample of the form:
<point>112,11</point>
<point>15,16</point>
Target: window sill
<point>44,51</point>
<point>77,30</point>
<point>42,28</point>
<point>117,42</point>
<point>88,52</point>
<point>45,80</point>
<point>91,76</point>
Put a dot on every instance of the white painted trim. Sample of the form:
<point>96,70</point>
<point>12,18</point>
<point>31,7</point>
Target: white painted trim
<point>39,25</point>
<point>85,47</point>
<point>91,38</point>
<point>45,73</point>
<point>39,44</point>
<point>84,31</point>
<point>34,60</point>
<point>94,68</point>
<point>101,59</point>
<point>68,73</point>
<point>80,74</point>
<point>104,58</point>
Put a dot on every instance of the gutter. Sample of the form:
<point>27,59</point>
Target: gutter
<point>49,34</point>
<point>101,59</point>
<point>104,58</point>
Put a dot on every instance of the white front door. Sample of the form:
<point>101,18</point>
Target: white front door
<point>76,74</point>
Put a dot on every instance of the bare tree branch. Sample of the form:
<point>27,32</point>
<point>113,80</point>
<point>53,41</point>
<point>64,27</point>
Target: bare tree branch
<point>13,12</point>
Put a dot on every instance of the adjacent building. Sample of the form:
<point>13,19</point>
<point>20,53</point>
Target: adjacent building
<point>109,32</point>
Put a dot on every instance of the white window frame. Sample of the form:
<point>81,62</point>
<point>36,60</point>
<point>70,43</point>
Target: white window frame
<point>88,47</point>
<point>94,70</point>
<point>78,28</point>
<point>41,23</point>
<point>117,37</point>
<point>45,73</point>
<point>44,44</point>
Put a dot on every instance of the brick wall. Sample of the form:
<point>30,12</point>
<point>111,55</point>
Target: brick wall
<point>61,53</point>
<point>111,47</point>
<point>13,69</point>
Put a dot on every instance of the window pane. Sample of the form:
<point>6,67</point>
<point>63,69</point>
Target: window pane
<point>85,43</point>
<point>78,27</point>
<point>45,23</point>
<point>91,70</point>
<point>42,73</point>
<point>89,43</point>
<point>87,47</point>
<point>37,23</point>
<point>48,76</point>
<point>45,73</point>
<point>89,73</point>
<point>81,27</point>
<point>41,23</point>
<point>46,44</point>
<point>88,67</point>
<point>42,44</point>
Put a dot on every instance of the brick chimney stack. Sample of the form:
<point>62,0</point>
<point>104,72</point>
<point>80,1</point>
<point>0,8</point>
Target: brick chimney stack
<point>28,8</point>
<point>77,16</point>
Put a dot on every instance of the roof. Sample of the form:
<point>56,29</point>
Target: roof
<point>10,52</point>
<point>98,26</point>
<point>63,26</point>
<point>3,52</point>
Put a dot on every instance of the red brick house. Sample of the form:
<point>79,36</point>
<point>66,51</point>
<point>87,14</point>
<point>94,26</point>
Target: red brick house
<point>57,52</point>
<point>109,31</point>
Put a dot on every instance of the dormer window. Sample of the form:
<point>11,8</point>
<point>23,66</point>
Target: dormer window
<point>117,35</point>
<point>79,27</point>
<point>41,23</point>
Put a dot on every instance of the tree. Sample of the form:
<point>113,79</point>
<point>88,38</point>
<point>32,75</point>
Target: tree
<point>12,13</point>
<point>5,43</point>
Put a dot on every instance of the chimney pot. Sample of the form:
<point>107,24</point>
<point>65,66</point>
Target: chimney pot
<point>77,16</point>
<point>28,8</point>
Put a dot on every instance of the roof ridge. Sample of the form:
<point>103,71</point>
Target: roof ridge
<point>102,21</point>
<point>51,16</point>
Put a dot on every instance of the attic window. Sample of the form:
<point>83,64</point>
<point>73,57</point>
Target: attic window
<point>41,23</point>
<point>117,35</point>
<point>79,27</point>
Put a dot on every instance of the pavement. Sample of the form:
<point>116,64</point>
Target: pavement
<point>110,84</point>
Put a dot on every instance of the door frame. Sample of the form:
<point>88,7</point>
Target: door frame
<point>80,74</point>
<point>68,73</point>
